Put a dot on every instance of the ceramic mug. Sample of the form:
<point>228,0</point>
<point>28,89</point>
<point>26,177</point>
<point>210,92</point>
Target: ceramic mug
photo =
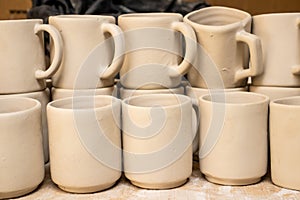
<point>279,34</point>
<point>153,58</point>
<point>157,137</point>
<point>222,56</point>
<point>284,142</point>
<point>59,93</point>
<point>93,51</point>
<point>125,93</point>
<point>21,148</point>
<point>22,56</point>
<point>233,137</point>
<point>195,93</point>
<point>43,97</point>
<point>276,92</point>
<point>84,136</point>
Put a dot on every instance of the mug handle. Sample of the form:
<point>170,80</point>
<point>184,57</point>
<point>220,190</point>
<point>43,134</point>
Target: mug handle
<point>190,48</point>
<point>256,59</point>
<point>296,68</point>
<point>58,50</point>
<point>119,53</point>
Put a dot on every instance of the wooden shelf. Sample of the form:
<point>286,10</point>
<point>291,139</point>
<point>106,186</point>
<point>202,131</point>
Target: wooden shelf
<point>196,188</point>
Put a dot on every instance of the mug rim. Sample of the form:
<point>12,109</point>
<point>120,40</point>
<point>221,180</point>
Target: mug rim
<point>76,17</point>
<point>247,19</point>
<point>286,102</point>
<point>157,15</point>
<point>184,100</point>
<point>263,98</point>
<point>281,14</point>
<point>21,21</point>
<point>35,105</point>
<point>69,102</point>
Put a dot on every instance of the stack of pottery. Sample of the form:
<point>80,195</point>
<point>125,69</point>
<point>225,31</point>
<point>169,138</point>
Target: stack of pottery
<point>279,34</point>
<point>222,60</point>
<point>93,52</point>
<point>22,63</point>
<point>154,61</point>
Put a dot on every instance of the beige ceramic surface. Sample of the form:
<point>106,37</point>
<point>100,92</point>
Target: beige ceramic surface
<point>21,148</point>
<point>237,141</point>
<point>196,188</point>
<point>157,136</point>
<point>58,93</point>
<point>279,34</point>
<point>78,128</point>
<point>276,92</point>
<point>43,97</point>
<point>22,61</point>
<point>284,142</point>
<point>153,57</point>
<point>91,56</point>
<point>195,94</point>
<point>223,36</point>
<point>125,93</point>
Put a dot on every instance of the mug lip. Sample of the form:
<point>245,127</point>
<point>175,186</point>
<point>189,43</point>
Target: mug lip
<point>247,19</point>
<point>237,89</point>
<point>76,17</point>
<point>21,21</point>
<point>271,15</point>
<point>281,102</point>
<point>265,99</point>
<point>81,90</point>
<point>35,106</point>
<point>273,88</point>
<point>150,15</point>
<point>186,100</point>
<point>69,101</point>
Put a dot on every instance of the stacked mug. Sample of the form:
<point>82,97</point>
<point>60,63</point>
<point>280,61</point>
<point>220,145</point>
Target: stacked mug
<point>92,55</point>
<point>279,34</point>
<point>24,133</point>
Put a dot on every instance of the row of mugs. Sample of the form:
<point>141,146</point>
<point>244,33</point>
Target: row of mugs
<point>157,130</point>
<point>149,53</point>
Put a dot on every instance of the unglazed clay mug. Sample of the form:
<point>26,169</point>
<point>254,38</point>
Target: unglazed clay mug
<point>195,93</point>
<point>43,97</point>
<point>85,142</point>
<point>125,93</point>
<point>22,56</point>
<point>279,34</point>
<point>59,93</point>
<point>275,92</point>
<point>222,59</point>
<point>284,142</point>
<point>233,137</point>
<point>157,139</point>
<point>21,148</point>
<point>93,51</point>
<point>154,57</point>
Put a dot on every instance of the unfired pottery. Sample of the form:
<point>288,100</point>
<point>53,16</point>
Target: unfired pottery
<point>222,59</point>
<point>276,92</point>
<point>233,137</point>
<point>284,142</point>
<point>279,34</point>
<point>153,58</point>
<point>43,97</point>
<point>195,93</point>
<point>22,55</point>
<point>21,148</point>
<point>93,51</point>
<point>157,140</point>
<point>59,93</point>
<point>85,143</point>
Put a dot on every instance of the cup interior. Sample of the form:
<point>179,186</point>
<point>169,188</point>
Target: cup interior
<point>235,98</point>
<point>217,16</point>
<point>154,100</point>
<point>290,101</point>
<point>15,105</point>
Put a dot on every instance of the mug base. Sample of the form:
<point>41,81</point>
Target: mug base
<point>14,194</point>
<point>232,182</point>
<point>160,185</point>
<point>83,190</point>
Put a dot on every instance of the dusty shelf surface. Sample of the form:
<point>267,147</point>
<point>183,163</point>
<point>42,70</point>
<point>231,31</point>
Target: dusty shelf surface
<point>196,188</point>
